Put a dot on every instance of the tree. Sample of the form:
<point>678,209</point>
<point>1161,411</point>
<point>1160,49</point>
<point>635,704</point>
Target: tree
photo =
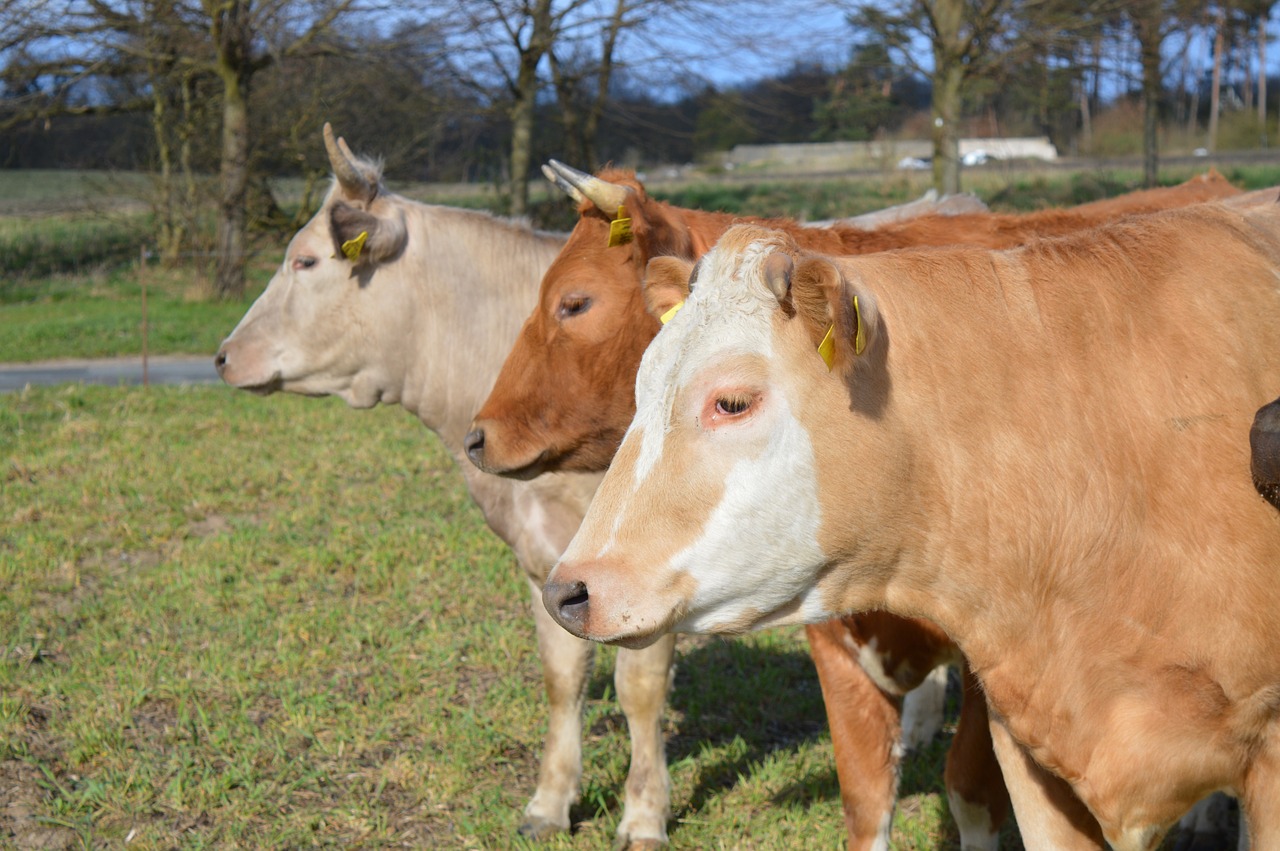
<point>860,98</point>
<point>1148,18</point>
<point>582,77</point>
<point>247,37</point>
<point>511,38</point>
<point>81,45</point>
<point>964,38</point>
<point>510,41</point>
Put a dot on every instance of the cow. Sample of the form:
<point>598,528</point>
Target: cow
<point>579,350</point>
<point>384,300</point>
<point>586,335</point>
<point>1042,450</point>
<point>419,312</point>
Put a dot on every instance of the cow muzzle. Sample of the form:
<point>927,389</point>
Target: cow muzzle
<point>484,446</point>
<point>604,617</point>
<point>569,603</point>
<point>231,363</point>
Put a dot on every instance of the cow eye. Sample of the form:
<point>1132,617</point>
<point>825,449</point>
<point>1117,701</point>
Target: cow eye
<point>732,406</point>
<point>303,261</point>
<point>573,305</point>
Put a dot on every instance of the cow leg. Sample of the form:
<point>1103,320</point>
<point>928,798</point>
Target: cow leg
<point>1049,814</point>
<point>923,708</point>
<point>975,787</point>
<point>643,678</point>
<point>1260,803</point>
<point>865,726</point>
<point>566,664</point>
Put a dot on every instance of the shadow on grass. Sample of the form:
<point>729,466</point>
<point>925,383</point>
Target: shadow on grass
<point>738,704</point>
<point>747,702</point>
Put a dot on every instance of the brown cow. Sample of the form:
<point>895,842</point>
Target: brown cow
<point>589,331</point>
<point>565,394</point>
<point>1041,450</point>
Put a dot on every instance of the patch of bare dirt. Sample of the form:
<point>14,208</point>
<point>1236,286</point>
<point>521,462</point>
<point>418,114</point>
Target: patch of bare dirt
<point>155,720</point>
<point>214,524</point>
<point>21,827</point>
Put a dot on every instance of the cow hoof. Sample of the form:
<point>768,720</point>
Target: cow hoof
<point>539,829</point>
<point>623,843</point>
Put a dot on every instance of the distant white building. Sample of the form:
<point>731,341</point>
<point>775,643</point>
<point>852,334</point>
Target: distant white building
<point>838,156</point>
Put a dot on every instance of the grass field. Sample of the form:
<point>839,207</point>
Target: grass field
<point>237,622</point>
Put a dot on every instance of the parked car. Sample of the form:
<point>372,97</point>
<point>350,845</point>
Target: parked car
<point>914,164</point>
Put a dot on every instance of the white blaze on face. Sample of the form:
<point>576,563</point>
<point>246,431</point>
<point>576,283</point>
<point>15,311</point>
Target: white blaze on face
<point>736,497</point>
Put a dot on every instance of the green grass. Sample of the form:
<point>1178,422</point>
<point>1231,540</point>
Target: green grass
<point>42,191</point>
<point>277,623</point>
<point>31,248</point>
<point>100,315</point>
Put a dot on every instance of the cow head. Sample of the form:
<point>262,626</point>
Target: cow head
<point>310,331</point>
<point>715,514</point>
<point>565,393</point>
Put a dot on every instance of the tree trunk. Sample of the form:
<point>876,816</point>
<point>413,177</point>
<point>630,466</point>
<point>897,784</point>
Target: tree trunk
<point>522,109</point>
<point>187,129</point>
<point>168,240</point>
<point>949,48</point>
<point>591,126</point>
<point>231,252</point>
<point>946,129</point>
<point>1262,78</point>
<point>1086,121</point>
<point>571,120</point>
<point>1149,39</point>
<point>521,152</point>
<point>1194,119</point>
<point>1216,85</point>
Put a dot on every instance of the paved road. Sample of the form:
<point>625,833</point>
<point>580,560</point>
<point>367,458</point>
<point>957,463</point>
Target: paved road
<point>168,369</point>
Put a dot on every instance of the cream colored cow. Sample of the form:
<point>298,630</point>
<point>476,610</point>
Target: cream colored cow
<point>1045,451</point>
<point>384,300</point>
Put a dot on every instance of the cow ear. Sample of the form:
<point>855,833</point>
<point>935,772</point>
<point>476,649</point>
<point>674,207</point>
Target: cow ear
<point>840,314</point>
<point>777,270</point>
<point>365,238</point>
<point>666,286</point>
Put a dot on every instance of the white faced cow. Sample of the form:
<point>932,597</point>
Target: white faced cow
<point>1044,451</point>
<point>381,299</point>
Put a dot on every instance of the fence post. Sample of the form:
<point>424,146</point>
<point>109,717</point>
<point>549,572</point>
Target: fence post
<point>142,280</point>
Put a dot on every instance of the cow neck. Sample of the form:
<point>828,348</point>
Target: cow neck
<point>477,282</point>
<point>949,524</point>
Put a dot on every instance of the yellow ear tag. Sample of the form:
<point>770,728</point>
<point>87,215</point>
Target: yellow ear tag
<point>620,229</point>
<point>352,247</point>
<point>859,336</point>
<point>827,348</point>
<point>667,317</point>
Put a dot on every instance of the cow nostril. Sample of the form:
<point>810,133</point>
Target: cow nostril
<point>577,599</point>
<point>473,443</point>
<point>220,361</point>
<point>568,603</point>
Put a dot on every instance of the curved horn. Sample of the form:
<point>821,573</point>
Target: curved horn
<point>563,185</point>
<point>607,196</point>
<point>344,167</point>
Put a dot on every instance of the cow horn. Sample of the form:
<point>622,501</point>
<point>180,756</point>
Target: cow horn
<point>563,185</point>
<point>607,196</point>
<point>344,168</point>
